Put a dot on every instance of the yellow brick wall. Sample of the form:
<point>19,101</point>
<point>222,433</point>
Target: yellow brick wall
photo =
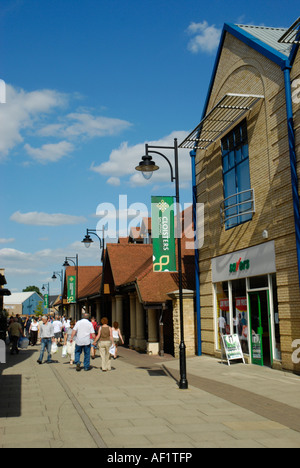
<point>243,70</point>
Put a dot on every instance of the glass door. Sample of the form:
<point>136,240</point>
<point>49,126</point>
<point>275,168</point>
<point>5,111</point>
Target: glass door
<point>259,316</point>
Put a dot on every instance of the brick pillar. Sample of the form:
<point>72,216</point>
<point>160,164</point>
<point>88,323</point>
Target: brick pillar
<point>189,321</point>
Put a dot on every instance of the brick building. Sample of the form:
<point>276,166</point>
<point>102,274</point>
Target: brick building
<point>246,153</point>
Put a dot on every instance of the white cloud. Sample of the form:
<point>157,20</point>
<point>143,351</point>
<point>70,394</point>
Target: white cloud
<point>20,113</point>
<point>84,125</point>
<point>123,160</point>
<point>115,181</point>
<point>49,153</point>
<point>7,241</point>
<point>205,38</point>
<point>45,219</point>
<point>41,114</point>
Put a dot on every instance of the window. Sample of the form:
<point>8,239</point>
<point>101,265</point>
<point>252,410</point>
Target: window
<point>238,205</point>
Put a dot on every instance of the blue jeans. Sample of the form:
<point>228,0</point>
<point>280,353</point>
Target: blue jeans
<point>46,344</point>
<point>87,355</point>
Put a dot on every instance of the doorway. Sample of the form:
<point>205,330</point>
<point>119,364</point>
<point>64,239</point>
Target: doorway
<point>260,326</point>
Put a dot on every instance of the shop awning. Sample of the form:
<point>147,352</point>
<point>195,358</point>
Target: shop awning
<point>292,35</point>
<point>229,110</point>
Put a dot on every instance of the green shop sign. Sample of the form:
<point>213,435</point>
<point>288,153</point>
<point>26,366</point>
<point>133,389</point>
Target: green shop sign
<point>71,296</point>
<point>163,234</point>
<point>239,266</point>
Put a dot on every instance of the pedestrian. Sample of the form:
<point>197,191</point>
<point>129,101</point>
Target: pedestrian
<point>106,341</point>
<point>57,326</point>
<point>16,331</point>
<point>96,329</point>
<point>117,336</point>
<point>47,337</point>
<point>70,346</point>
<point>33,331</point>
<point>82,332</point>
<point>27,327</point>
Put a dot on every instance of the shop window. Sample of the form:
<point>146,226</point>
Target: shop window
<point>223,317</point>
<point>257,282</point>
<point>239,319</point>
<point>240,313</point>
<point>238,205</point>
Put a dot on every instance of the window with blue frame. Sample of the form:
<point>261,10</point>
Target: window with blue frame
<point>238,196</point>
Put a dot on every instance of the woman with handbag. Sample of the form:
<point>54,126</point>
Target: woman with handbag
<point>69,348</point>
<point>117,336</point>
<point>33,331</point>
<point>106,341</point>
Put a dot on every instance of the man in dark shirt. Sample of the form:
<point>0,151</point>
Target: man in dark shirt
<point>16,331</point>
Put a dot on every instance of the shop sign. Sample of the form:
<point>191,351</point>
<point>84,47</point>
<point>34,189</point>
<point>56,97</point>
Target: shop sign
<point>232,347</point>
<point>71,289</point>
<point>239,266</point>
<point>163,234</point>
<point>254,261</point>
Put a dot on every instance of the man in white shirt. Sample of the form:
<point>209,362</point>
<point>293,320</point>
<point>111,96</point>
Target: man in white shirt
<point>57,326</point>
<point>83,333</point>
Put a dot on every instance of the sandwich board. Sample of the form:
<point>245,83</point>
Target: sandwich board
<point>232,348</point>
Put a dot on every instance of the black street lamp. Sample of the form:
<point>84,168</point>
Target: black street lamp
<point>87,240</point>
<point>147,166</point>
<point>61,276</point>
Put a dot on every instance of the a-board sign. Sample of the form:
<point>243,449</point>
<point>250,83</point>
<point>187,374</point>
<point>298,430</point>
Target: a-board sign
<point>232,347</point>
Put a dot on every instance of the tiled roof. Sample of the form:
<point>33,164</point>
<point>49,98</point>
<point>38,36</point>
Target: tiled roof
<point>93,288</point>
<point>126,259</point>
<point>87,275</point>
<point>132,263</point>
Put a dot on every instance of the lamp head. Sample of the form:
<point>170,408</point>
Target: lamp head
<point>87,241</point>
<point>147,167</point>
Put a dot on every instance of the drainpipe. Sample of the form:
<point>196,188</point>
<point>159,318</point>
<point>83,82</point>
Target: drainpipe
<point>197,269</point>
<point>293,158</point>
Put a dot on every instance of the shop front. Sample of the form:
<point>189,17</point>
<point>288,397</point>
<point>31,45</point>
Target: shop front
<point>245,302</point>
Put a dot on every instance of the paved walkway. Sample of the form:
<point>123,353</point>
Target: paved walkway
<point>138,404</point>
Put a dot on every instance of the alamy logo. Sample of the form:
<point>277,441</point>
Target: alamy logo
<point>296,92</point>
<point>296,353</point>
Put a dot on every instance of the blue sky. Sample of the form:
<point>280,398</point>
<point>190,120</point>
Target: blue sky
<point>88,83</point>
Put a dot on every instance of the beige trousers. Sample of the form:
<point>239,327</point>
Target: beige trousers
<point>105,355</point>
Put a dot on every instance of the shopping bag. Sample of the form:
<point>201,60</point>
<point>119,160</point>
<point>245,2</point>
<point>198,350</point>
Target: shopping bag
<point>23,343</point>
<point>64,352</point>
<point>112,350</point>
<point>54,348</point>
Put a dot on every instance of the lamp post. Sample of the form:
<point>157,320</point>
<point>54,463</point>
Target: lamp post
<point>54,277</point>
<point>66,264</point>
<point>147,166</point>
<point>87,240</point>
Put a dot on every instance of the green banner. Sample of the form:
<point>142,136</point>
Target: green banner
<point>71,293</point>
<point>163,234</point>
<point>46,301</point>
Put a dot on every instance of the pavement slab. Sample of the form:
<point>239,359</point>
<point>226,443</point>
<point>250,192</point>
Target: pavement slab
<point>139,405</point>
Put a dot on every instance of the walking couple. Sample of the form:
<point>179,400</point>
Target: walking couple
<point>83,333</point>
